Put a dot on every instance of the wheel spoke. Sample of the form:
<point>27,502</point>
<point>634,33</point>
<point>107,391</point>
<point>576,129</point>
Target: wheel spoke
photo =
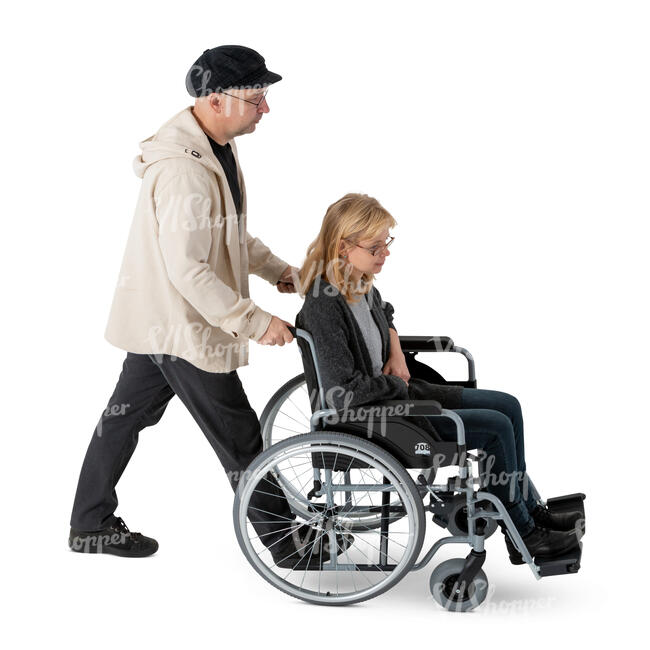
<point>353,474</point>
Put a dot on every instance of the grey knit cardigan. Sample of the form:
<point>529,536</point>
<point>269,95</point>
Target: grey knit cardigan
<point>343,357</point>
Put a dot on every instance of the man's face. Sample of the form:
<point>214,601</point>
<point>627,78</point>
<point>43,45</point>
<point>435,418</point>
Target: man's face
<point>243,116</point>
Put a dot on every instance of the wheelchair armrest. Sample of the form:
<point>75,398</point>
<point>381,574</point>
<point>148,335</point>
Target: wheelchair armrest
<point>414,344</point>
<point>413,406</point>
<point>426,344</point>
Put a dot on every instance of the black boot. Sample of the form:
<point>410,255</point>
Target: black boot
<point>542,543</point>
<point>117,539</point>
<point>572,520</point>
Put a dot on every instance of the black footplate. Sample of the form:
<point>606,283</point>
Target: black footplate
<point>562,564</point>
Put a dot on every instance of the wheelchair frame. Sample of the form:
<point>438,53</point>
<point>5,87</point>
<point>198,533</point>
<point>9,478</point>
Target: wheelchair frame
<point>477,516</point>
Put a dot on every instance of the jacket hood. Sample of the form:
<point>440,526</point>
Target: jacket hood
<point>179,137</point>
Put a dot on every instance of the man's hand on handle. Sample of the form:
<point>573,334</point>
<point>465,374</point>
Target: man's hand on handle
<point>277,333</point>
<point>288,280</point>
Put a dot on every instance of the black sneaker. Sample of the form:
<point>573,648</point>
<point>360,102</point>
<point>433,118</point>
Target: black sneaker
<point>117,539</point>
<point>572,520</point>
<point>308,548</point>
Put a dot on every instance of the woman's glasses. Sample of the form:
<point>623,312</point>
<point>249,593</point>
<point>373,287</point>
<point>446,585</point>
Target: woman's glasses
<point>376,250</point>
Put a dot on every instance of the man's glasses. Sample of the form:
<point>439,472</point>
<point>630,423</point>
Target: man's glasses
<point>248,101</point>
<point>376,250</point>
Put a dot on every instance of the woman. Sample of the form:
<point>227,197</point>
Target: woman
<point>361,362</point>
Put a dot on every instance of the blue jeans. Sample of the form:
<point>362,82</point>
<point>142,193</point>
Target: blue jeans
<point>494,424</point>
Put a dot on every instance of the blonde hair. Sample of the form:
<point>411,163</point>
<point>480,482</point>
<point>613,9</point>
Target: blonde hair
<point>354,217</point>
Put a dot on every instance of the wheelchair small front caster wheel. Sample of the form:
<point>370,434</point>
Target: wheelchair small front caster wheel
<point>458,520</point>
<point>443,580</point>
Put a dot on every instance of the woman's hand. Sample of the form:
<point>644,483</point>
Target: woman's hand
<point>396,365</point>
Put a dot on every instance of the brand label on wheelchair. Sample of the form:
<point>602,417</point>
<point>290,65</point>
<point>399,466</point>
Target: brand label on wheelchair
<point>423,449</point>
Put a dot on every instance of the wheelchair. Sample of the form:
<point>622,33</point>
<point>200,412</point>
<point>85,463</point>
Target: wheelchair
<point>370,472</point>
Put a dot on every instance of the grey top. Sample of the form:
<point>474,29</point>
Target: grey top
<point>370,331</point>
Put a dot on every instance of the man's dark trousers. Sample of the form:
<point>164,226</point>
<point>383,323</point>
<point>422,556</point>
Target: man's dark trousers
<point>219,405</point>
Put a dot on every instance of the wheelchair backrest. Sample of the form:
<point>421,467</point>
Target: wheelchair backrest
<point>312,372</point>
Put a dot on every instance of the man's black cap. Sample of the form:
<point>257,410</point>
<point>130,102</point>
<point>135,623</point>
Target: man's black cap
<point>228,66</point>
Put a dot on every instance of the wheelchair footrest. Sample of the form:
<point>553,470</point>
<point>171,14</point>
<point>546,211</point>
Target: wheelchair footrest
<point>567,503</point>
<point>562,564</point>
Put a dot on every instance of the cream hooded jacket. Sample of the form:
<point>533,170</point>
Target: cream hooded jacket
<point>183,283</point>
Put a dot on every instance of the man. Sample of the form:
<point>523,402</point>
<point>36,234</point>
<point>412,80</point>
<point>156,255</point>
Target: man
<point>182,309</point>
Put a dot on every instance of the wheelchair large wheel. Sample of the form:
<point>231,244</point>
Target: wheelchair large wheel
<point>287,414</point>
<point>340,476</point>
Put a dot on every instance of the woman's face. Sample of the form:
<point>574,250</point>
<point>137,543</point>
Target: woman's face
<point>362,259</point>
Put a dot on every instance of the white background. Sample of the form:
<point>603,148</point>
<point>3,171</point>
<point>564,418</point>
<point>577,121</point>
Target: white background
<point>509,140</point>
